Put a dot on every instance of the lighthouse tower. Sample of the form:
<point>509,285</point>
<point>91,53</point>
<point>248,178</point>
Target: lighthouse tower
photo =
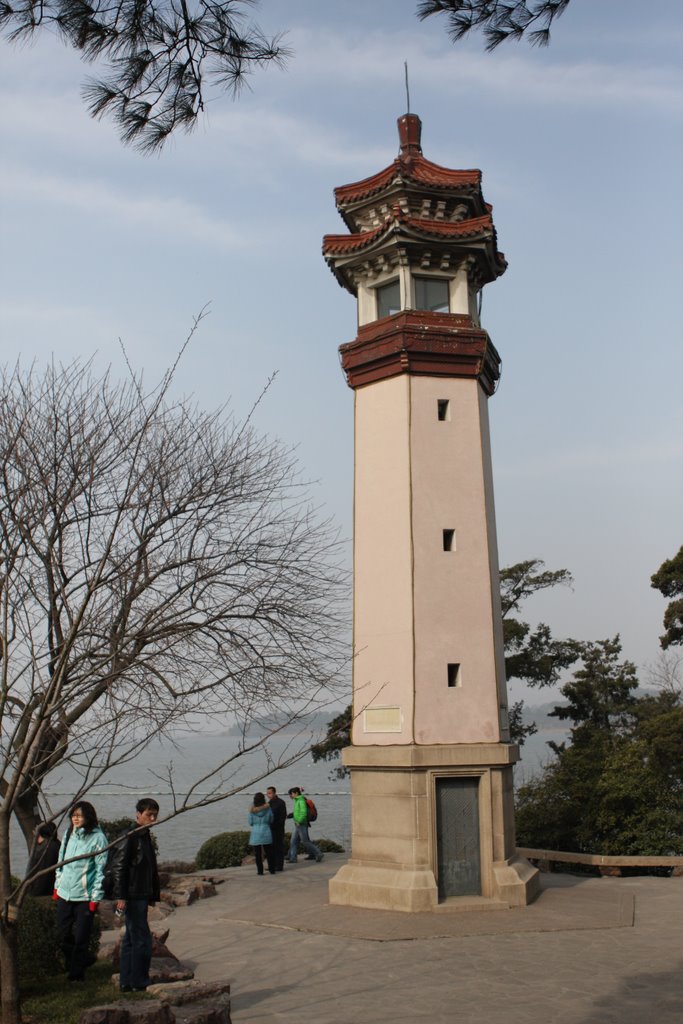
<point>430,759</point>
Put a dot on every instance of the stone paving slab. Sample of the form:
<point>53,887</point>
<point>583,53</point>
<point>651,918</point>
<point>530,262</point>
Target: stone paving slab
<point>589,951</point>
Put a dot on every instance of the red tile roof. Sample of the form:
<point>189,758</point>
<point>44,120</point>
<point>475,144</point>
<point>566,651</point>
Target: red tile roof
<point>413,168</point>
<point>338,245</point>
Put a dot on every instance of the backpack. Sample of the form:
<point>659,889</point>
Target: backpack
<point>312,811</point>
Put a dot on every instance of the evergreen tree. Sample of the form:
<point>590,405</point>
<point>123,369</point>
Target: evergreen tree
<point>616,787</point>
<point>669,581</point>
<point>499,20</point>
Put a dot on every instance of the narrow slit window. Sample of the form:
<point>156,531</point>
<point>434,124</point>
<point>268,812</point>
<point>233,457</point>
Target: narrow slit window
<point>449,540</point>
<point>453,674</point>
<point>443,409</point>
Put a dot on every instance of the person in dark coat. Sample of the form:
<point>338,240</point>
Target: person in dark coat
<point>45,854</point>
<point>279,809</point>
<point>135,887</point>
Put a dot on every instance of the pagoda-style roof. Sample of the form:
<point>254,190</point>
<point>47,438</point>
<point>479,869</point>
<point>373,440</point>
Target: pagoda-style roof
<point>412,169</point>
<point>399,223</point>
<point>416,206</point>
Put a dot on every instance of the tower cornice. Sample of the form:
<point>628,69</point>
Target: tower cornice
<point>420,342</point>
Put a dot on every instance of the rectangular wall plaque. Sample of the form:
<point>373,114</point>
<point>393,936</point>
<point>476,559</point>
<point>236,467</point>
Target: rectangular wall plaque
<point>382,720</point>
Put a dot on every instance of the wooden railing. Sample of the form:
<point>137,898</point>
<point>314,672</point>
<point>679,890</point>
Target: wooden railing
<point>607,865</point>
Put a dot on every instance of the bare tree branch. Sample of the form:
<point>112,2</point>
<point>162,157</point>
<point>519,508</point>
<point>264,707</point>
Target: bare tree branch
<point>158,564</point>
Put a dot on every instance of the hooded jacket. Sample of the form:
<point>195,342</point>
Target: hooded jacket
<point>260,827</point>
<point>82,880</point>
<point>300,810</point>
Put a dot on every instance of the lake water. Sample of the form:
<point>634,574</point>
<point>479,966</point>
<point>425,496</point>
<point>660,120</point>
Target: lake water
<point>193,756</point>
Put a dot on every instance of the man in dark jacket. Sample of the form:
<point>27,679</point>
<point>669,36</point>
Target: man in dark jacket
<point>135,887</point>
<point>277,826</point>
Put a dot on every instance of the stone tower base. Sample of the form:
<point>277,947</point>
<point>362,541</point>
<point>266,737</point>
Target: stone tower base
<point>394,861</point>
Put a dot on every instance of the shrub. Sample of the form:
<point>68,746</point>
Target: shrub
<point>328,846</point>
<point>226,850</point>
<point>324,845</point>
<point>39,945</point>
<point>39,949</point>
<point>119,827</point>
<point>229,849</point>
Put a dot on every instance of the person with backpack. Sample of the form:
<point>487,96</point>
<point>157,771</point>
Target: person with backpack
<point>133,881</point>
<point>79,886</point>
<point>300,814</point>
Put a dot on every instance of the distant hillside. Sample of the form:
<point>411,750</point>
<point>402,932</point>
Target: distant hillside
<point>315,723</point>
<point>540,714</point>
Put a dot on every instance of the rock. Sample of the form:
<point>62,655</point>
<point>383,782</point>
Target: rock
<point>129,1012</point>
<point>158,913</point>
<point>184,890</point>
<point>181,992</point>
<point>108,918</point>
<point>159,948</point>
<point>178,867</point>
<point>165,969</point>
<point>202,1013</point>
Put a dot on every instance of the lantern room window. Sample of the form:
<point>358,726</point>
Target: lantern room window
<point>432,293</point>
<point>388,299</point>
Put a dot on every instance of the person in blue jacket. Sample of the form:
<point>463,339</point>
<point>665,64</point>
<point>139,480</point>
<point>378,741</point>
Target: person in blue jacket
<point>261,838</point>
<point>79,886</point>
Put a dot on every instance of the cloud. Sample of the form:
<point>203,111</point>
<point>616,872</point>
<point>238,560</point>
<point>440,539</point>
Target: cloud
<point>355,58</point>
<point>304,139</point>
<point>595,458</point>
<point>90,196</point>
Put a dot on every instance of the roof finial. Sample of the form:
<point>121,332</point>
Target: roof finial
<point>409,133</point>
<point>405,65</point>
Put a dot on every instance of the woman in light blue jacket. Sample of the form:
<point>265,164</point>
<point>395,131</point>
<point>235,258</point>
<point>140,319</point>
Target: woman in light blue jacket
<point>261,838</point>
<point>79,886</point>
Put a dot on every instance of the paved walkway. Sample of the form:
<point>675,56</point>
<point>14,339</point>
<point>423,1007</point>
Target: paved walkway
<point>588,951</point>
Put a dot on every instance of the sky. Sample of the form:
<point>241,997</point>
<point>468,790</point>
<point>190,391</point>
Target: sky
<point>581,148</point>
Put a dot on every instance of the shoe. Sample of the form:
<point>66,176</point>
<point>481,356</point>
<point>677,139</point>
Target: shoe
<point>125,988</point>
<point>319,858</point>
<point>290,861</point>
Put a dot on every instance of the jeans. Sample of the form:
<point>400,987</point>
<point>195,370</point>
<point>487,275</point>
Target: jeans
<point>136,946</point>
<point>74,922</point>
<point>300,835</point>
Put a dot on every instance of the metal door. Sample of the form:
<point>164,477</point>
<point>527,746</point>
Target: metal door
<point>457,834</point>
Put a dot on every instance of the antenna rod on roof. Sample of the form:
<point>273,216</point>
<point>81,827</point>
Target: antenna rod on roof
<point>405,64</point>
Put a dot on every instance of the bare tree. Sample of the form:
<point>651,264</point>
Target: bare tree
<point>158,564</point>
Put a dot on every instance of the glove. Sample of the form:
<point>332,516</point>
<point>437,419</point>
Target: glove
<point>92,906</point>
<point>54,894</point>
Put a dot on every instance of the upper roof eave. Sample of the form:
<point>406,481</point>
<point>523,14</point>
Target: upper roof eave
<point>415,169</point>
<point>472,228</point>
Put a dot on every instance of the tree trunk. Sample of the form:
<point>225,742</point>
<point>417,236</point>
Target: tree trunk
<point>26,813</point>
<point>10,1010</point>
